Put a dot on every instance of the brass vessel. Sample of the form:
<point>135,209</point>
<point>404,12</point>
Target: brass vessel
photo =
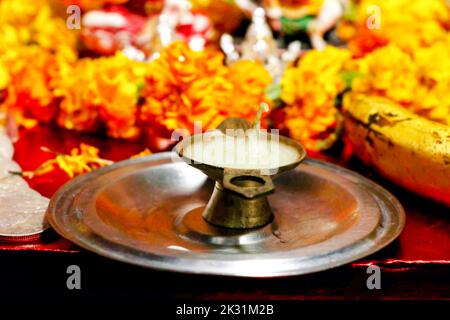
<point>239,199</point>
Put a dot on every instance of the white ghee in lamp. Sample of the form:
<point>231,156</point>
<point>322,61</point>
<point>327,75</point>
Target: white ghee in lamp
<point>246,151</point>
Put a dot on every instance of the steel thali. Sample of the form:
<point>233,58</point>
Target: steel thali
<point>148,211</point>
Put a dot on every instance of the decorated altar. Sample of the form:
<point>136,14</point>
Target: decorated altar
<point>364,85</point>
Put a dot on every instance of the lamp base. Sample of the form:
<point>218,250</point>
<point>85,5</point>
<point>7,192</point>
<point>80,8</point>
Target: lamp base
<point>231,210</point>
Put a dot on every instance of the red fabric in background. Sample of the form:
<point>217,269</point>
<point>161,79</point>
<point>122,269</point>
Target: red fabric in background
<point>425,239</point>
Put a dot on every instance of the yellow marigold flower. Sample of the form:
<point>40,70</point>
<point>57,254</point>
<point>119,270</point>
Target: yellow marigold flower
<point>78,108</point>
<point>20,12</point>
<point>388,71</point>
<point>52,33</point>
<point>11,37</point>
<point>418,81</point>
<point>409,24</point>
<point>118,82</point>
<point>27,22</point>
<point>433,63</point>
<point>4,76</point>
<point>309,90</point>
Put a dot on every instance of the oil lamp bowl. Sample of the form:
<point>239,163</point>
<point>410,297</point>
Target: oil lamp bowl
<point>239,199</point>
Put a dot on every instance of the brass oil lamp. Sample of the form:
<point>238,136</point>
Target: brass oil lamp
<point>239,199</point>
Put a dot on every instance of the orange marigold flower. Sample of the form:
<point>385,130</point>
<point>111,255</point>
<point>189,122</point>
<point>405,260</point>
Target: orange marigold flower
<point>309,90</point>
<point>366,41</point>
<point>184,86</point>
<point>30,72</point>
<point>118,81</point>
<point>78,108</point>
<point>104,92</point>
<point>35,45</point>
<point>250,81</point>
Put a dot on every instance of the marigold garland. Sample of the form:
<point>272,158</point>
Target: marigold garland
<point>25,22</point>
<point>29,91</point>
<point>250,81</point>
<point>43,80</point>
<point>184,86</point>
<point>395,74</point>
<point>409,24</point>
<point>99,92</point>
<point>407,59</point>
<point>177,89</point>
<point>309,90</point>
<point>35,46</point>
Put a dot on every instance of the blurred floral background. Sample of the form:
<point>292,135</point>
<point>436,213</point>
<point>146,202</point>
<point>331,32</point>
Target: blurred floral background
<point>137,70</point>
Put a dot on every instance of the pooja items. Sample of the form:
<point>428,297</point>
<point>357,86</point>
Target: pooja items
<point>22,210</point>
<point>247,151</point>
<point>329,15</point>
<point>248,203</point>
<point>148,211</point>
<point>259,45</point>
<point>311,17</point>
<point>155,211</point>
<point>243,163</point>
<point>6,147</point>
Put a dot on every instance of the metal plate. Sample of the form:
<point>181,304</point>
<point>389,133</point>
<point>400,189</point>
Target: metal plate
<point>147,211</point>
